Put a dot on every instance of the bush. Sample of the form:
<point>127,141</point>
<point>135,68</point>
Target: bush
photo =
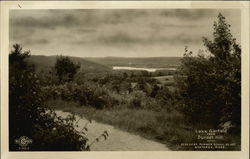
<point>47,77</point>
<point>137,99</point>
<point>86,94</point>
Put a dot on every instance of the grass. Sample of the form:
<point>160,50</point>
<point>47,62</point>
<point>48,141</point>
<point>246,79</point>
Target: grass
<point>168,128</point>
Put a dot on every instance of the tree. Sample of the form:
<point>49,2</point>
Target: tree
<point>65,69</point>
<point>29,116</point>
<point>226,59</point>
<point>210,86</point>
<point>22,94</point>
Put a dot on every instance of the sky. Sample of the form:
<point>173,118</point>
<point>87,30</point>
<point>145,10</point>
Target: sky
<point>116,32</point>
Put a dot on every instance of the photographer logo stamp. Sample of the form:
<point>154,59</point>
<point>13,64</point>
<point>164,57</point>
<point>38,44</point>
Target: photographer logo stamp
<point>23,142</point>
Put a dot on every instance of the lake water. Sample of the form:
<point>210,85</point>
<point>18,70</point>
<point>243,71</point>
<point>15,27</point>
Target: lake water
<point>141,68</point>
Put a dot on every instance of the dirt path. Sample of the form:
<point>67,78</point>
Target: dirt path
<point>118,140</point>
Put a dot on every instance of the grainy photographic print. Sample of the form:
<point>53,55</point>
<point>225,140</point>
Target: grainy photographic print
<point>125,80</point>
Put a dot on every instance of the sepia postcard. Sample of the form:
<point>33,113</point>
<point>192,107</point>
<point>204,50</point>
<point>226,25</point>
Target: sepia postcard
<point>127,79</point>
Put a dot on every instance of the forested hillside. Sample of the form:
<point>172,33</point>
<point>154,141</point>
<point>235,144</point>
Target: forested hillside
<point>149,62</point>
<point>46,62</point>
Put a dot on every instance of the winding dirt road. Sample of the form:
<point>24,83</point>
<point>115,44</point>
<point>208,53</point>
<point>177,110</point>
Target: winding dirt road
<point>117,140</point>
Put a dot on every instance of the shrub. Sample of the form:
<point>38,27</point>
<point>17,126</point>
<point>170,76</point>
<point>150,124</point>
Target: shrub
<point>137,99</point>
<point>47,77</point>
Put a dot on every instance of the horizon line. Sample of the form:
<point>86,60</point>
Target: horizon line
<point>113,56</point>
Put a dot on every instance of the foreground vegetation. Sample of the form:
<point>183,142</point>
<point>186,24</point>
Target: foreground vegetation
<point>29,116</point>
<point>165,127</point>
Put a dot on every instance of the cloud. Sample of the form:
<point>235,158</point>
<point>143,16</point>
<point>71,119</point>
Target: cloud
<point>66,18</point>
<point>126,39</point>
<point>118,31</point>
<point>31,41</point>
<point>45,23</point>
<point>188,14</point>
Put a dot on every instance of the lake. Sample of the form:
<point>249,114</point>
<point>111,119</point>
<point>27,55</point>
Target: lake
<point>141,68</point>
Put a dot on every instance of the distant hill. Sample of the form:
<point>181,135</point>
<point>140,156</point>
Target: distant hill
<point>149,62</point>
<point>46,62</point>
<point>104,64</point>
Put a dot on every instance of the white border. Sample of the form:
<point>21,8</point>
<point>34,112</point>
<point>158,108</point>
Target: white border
<point>244,6</point>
